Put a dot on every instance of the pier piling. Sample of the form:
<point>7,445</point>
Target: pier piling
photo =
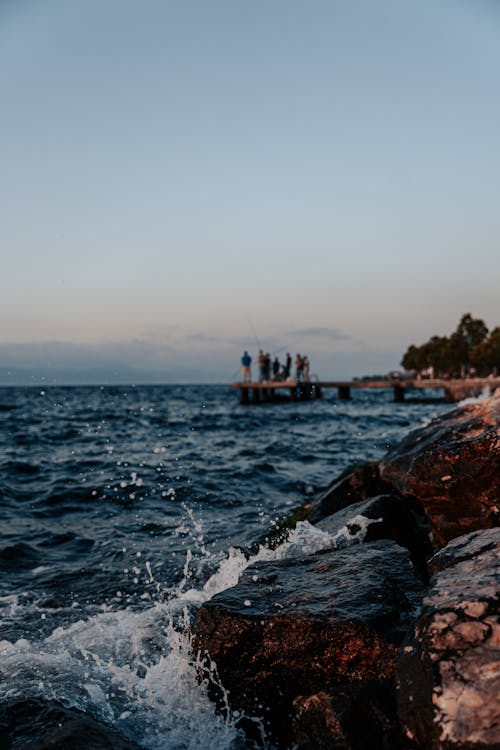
<point>453,390</point>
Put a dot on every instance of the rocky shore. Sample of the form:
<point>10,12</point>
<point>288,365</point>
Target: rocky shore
<point>387,636</point>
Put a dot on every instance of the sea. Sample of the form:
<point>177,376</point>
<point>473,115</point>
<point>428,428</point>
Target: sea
<point>124,508</point>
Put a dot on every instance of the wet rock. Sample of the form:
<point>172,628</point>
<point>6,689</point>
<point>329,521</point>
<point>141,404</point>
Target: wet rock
<point>464,548</point>
<point>453,467</point>
<point>297,627</point>
<point>449,675</point>
<point>316,725</point>
<point>355,484</point>
<point>388,517</point>
<point>358,717</point>
<point>46,725</point>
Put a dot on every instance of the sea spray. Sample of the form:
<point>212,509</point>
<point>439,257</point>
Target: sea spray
<point>134,671</point>
<point>137,670</point>
<point>305,539</point>
<point>485,394</point>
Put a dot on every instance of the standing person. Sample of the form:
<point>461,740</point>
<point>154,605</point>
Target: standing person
<point>305,369</point>
<point>267,366</point>
<point>299,367</point>
<point>288,366</point>
<point>276,369</point>
<point>246,371</point>
<point>262,368</point>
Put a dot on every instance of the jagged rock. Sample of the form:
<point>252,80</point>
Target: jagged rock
<point>453,467</point>
<point>323,623</point>
<point>360,716</point>
<point>464,548</point>
<point>316,725</point>
<point>354,485</point>
<point>46,725</point>
<point>391,517</point>
<point>449,676</point>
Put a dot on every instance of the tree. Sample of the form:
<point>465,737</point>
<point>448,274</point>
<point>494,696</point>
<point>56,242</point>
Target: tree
<point>471,330</point>
<point>452,355</point>
<point>486,355</point>
<point>412,359</point>
<point>457,355</point>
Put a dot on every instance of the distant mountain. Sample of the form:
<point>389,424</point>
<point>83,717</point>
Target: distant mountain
<point>104,376</point>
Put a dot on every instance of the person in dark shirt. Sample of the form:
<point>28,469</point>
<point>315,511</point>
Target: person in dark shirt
<point>288,366</point>
<point>267,366</point>
<point>276,369</point>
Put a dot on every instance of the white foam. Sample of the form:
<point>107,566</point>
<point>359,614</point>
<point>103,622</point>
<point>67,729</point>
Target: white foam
<point>305,539</point>
<point>485,394</point>
<point>136,669</point>
<point>10,604</point>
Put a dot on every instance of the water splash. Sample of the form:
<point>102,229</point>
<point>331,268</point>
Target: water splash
<point>134,670</point>
<point>305,539</point>
<point>137,670</point>
<point>485,394</point>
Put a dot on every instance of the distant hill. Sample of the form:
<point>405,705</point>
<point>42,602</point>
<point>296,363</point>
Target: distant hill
<point>104,376</point>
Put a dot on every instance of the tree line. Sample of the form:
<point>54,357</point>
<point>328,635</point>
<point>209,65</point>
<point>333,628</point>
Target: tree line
<point>469,350</point>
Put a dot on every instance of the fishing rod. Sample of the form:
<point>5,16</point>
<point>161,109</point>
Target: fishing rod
<point>259,346</point>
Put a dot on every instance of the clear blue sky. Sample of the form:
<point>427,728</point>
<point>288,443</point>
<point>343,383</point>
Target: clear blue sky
<point>177,176</point>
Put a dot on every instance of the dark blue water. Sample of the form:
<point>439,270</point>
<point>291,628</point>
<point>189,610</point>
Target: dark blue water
<point>119,504</point>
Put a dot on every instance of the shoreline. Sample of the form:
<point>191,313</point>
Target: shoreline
<point>364,641</point>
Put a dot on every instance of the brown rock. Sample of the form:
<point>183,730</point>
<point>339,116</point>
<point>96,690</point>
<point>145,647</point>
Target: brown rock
<point>390,517</point>
<point>449,676</point>
<point>453,467</point>
<point>356,717</point>
<point>355,484</point>
<point>294,628</point>
<point>316,725</point>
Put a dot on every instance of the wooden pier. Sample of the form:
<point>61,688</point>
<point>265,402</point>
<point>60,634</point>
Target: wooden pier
<point>291,390</point>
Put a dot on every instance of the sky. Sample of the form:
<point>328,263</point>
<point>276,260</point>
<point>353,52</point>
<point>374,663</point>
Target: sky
<point>185,180</point>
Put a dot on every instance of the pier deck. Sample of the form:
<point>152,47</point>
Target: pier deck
<point>291,390</point>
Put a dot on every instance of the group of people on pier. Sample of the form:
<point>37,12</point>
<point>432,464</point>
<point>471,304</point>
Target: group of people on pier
<point>275,371</point>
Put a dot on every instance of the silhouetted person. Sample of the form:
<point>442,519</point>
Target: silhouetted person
<point>267,366</point>
<point>288,366</point>
<point>299,368</point>
<point>276,369</point>
<point>262,366</point>
<point>305,368</point>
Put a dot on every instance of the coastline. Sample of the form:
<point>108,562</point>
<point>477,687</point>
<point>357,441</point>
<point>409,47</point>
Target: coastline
<point>365,634</point>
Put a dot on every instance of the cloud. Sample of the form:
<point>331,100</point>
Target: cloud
<point>231,343</point>
<point>204,338</point>
<point>319,332</point>
<point>56,354</point>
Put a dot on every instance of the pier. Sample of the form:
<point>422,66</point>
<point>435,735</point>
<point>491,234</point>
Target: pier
<point>291,390</point>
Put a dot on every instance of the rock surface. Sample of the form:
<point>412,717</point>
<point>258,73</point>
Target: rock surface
<point>325,623</point>
<point>389,517</point>
<point>313,646</point>
<point>449,678</point>
<point>46,725</point>
<point>453,467</point>
<point>352,486</point>
<point>357,716</point>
